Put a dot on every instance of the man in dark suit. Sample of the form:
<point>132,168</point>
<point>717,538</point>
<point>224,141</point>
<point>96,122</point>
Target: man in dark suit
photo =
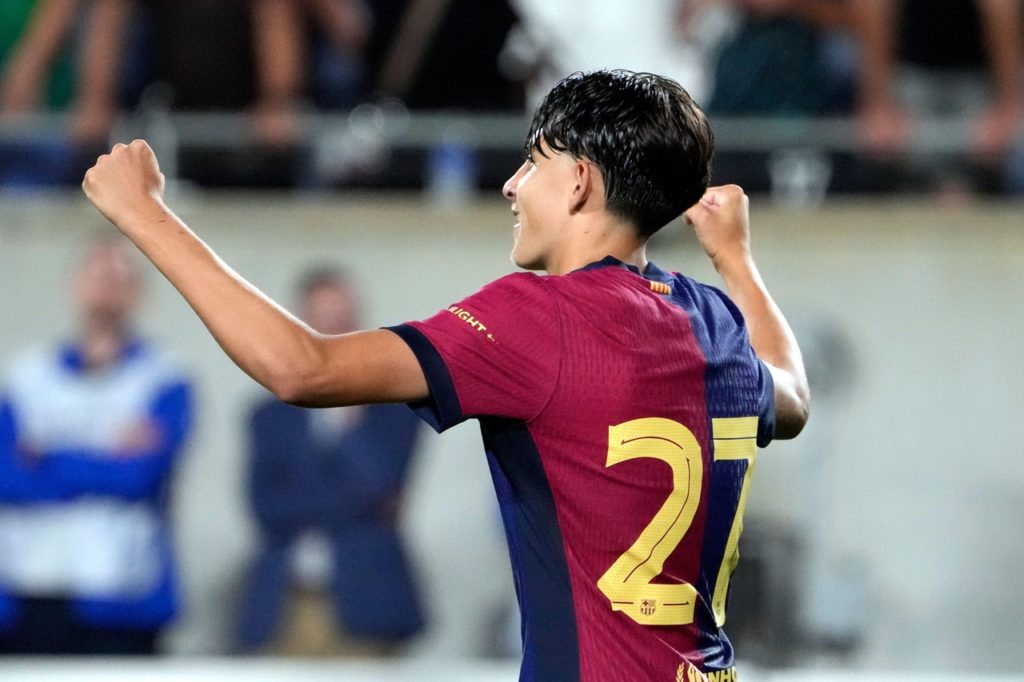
<point>325,487</point>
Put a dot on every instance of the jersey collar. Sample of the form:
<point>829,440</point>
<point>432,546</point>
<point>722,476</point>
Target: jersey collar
<point>652,271</point>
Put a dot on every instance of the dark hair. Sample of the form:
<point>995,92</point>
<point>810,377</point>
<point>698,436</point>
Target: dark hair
<point>644,132</point>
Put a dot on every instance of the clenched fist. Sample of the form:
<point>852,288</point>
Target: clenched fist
<point>125,183</point>
<point>721,220</point>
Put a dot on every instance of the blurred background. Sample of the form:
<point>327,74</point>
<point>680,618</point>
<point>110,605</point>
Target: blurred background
<point>346,156</point>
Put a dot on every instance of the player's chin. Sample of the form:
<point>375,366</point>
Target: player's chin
<point>527,263</point>
<point>524,260</point>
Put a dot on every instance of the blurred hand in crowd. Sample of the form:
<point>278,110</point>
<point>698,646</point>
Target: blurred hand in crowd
<point>995,130</point>
<point>139,440</point>
<point>20,89</point>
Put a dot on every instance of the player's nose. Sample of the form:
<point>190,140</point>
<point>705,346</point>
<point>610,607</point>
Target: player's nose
<point>509,189</point>
<point>512,184</point>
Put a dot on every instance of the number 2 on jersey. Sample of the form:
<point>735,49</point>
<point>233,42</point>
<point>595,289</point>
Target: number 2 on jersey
<point>628,582</point>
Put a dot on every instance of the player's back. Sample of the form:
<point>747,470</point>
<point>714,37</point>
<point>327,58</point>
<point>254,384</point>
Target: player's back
<point>652,372</point>
<point>620,415</point>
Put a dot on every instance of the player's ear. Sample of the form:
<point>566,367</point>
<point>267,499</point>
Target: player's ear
<point>584,177</point>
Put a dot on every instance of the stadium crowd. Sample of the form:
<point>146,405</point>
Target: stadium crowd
<point>890,68</point>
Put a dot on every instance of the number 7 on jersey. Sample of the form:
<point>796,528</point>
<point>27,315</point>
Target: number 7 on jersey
<point>628,582</point>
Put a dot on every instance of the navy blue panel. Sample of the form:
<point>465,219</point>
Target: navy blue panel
<point>442,409</point>
<point>766,423</point>
<point>550,639</point>
<point>737,384</point>
<point>735,381</point>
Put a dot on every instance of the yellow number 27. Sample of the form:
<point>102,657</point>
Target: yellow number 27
<point>628,582</point>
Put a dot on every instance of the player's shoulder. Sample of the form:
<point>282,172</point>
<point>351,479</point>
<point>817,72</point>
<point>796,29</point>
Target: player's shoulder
<point>513,309</point>
<point>708,299</point>
<point>517,284</point>
<point>514,298</point>
<point>687,283</point>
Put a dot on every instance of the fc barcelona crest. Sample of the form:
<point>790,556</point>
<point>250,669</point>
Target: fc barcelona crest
<point>648,607</point>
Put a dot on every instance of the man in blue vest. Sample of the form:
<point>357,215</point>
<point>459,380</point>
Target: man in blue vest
<point>89,434</point>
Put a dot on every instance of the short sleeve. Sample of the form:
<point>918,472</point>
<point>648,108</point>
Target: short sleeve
<point>495,353</point>
<point>765,405</point>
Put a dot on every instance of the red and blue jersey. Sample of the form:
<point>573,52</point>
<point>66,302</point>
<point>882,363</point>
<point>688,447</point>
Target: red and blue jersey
<point>621,413</point>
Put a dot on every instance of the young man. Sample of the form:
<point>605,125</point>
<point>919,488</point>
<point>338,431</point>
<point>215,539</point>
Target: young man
<point>620,405</point>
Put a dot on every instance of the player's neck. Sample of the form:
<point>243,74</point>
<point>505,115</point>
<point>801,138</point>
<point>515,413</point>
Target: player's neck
<point>592,241</point>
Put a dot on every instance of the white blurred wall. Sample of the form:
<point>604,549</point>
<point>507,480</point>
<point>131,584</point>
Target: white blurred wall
<point>908,480</point>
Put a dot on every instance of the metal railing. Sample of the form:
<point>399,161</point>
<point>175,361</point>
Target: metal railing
<point>396,127</point>
<point>797,153</point>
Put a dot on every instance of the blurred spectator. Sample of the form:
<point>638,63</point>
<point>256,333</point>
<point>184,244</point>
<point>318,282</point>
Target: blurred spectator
<point>270,58</point>
<point>89,434</point>
<point>57,55</point>
<point>784,58</point>
<point>325,487</point>
<point>443,54</point>
<point>260,55</point>
<point>36,70</point>
<point>941,58</point>
<point>776,61</point>
<point>341,31</point>
<point>31,35</point>
<point>556,38</point>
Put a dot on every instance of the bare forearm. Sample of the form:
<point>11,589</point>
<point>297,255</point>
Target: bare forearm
<point>277,32</point>
<point>721,221</point>
<point>297,364</point>
<point>874,24</point>
<point>43,37</point>
<point>1001,26</point>
<point>347,23</point>
<point>263,339</point>
<point>772,339</point>
<point>102,51</point>
<point>50,25</point>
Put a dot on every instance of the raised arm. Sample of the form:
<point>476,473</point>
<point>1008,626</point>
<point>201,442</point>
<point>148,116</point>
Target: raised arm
<point>721,220</point>
<point>294,362</point>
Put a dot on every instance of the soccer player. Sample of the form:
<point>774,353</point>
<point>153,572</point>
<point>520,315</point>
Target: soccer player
<point>620,405</point>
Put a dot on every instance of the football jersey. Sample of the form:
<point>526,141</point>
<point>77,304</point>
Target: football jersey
<point>621,413</point>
